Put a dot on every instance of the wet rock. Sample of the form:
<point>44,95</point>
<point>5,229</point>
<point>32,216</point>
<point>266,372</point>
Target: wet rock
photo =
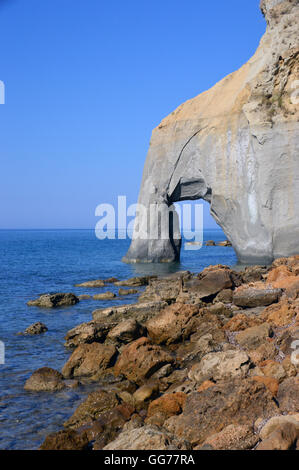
<point>107,427</point>
<point>88,333</point>
<point>140,359</point>
<point>126,331</point>
<point>90,409</point>
<point>84,297</point>
<point>89,359</point>
<point>45,379</point>
<point>127,291</point>
<point>172,324</point>
<point>36,329</point>
<point>94,283</point>
<point>140,311</point>
<point>288,395</point>
<point>135,281</point>
<point>230,402</point>
<point>65,440</point>
<point>220,366</point>
<point>233,437</point>
<point>210,281</point>
<point>104,296</point>
<point>210,243</point>
<point>283,438</point>
<point>54,300</point>
<point>253,337</point>
<point>224,243</point>
<point>254,297</point>
<point>147,438</point>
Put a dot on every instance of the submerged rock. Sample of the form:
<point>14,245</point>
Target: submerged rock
<point>104,296</point>
<point>54,300</point>
<point>45,380</point>
<point>127,291</point>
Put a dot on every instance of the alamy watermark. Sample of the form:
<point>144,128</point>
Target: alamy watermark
<point>2,353</point>
<point>157,221</point>
<point>2,92</point>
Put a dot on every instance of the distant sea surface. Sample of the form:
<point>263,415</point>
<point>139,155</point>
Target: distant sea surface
<point>33,262</point>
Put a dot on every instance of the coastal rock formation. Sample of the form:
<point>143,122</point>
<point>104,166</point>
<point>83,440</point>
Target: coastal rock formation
<point>45,379</point>
<point>54,300</point>
<point>235,146</point>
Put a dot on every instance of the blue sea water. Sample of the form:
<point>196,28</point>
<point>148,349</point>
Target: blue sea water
<point>33,262</point>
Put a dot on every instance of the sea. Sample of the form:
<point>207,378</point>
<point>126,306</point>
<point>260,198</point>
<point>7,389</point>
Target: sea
<point>33,262</point>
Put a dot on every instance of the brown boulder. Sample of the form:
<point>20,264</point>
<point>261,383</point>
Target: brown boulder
<point>90,409</point>
<point>36,329</point>
<point>54,300</point>
<point>172,324</point>
<point>283,438</point>
<point>271,383</point>
<point>104,296</point>
<point>45,379</point>
<point>87,333</point>
<point>233,437</point>
<point>140,359</point>
<point>211,281</point>
<point>210,411</point>
<point>95,283</point>
<point>127,291</point>
<point>288,395</point>
<point>135,281</point>
<point>241,322</point>
<point>89,359</point>
<point>65,440</point>
<point>126,331</point>
<point>255,297</point>
<point>168,405</point>
<point>280,314</point>
<point>253,337</point>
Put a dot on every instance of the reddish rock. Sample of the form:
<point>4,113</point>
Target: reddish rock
<point>126,331</point>
<point>241,322</point>
<point>280,314</point>
<point>140,359</point>
<point>89,359</point>
<point>205,385</point>
<point>232,402</point>
<point>168,405</point>
<point>271,383</point>
<point>173,323</point>
<point>210,281</point>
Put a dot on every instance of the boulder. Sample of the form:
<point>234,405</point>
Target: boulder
<point>254,297</point>
<point>127,291</point>
<point>220,366</point>
<point>88,333</point>
<point>54,300</point>
<point>210,281</point>
<point>210,243</point>
<point>276,422</point>
<point>135,281</point>
<point>104,296</point>
<point>92,407</point>
<point>253,337</point>
<point>147,438</point>
<point>233,437</point>
<point>126,331</point>
<point>45,380</point>
<point>283,438</point>
<point>253,273</point>
<point>65,440</point>
<point>95,283</point>
<point>288,395</point>
<point>167,405</point>
<point>36,329</point>
<point>140,359</point>
<point>241,322</point>
<point>230,402</point>
<point>90,359</point>
<point>280,314</point>
<point>165,289</point>
<point>140,311</point>
<point>172,324</point>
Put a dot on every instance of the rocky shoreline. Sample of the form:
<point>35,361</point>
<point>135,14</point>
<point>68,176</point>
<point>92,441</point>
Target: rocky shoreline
<point>201,361</point>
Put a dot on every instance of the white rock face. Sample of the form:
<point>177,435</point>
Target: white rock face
<point>236,146</point>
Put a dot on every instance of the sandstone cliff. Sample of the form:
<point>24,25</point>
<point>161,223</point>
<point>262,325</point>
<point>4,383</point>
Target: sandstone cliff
<point>237,146</point>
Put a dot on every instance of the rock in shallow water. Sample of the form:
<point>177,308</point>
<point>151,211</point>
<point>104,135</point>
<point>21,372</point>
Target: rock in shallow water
<point>45,379</point>
<point>54,300</point>
<point>35,329</point>
<point>90,360</point>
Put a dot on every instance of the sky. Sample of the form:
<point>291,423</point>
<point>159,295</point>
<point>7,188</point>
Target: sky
<point>85,84</point>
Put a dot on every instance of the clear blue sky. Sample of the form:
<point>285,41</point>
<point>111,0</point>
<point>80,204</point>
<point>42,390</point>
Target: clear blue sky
<point>87,81</point>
